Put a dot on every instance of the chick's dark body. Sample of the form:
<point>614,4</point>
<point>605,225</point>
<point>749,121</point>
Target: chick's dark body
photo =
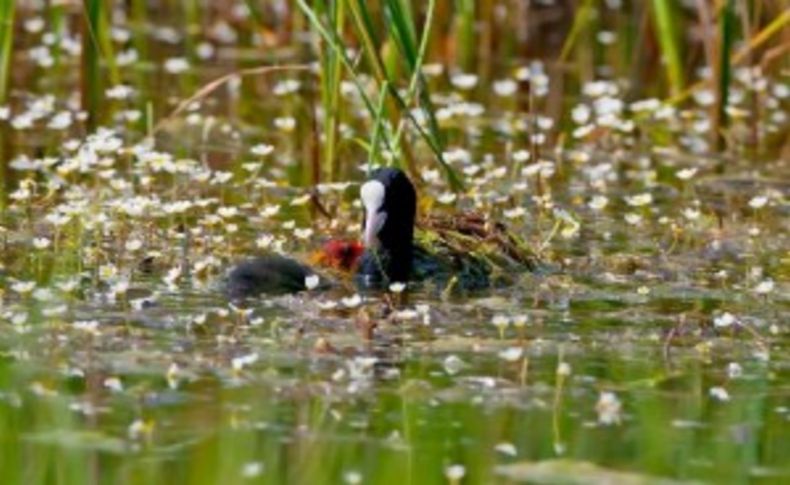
<point>272,273</point>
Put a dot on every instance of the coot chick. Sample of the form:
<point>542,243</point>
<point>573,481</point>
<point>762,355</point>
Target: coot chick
<point>272,273</point>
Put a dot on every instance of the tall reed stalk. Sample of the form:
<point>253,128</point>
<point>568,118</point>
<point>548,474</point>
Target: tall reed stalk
<point>331,76</point>
<point>465,44</point>
<point>96,48</point>
<point>724,70</point>
<point>665,19</point>
<point>7,11</point>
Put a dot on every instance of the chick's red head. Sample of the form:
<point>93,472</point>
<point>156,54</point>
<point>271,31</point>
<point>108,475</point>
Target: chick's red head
<point>340,254</point>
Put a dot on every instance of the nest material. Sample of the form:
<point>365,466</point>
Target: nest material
<point>497,250</point>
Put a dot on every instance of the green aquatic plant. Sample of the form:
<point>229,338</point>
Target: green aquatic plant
<point>398,111</point>
<point>98,70</point>
<point>724,71</point>
<point>7,15</point>
<point>670,42</point>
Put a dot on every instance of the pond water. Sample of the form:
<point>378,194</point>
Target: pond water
<point>652,345</point>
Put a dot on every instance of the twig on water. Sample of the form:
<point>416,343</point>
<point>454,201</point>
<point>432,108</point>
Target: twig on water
<point>212,86</point>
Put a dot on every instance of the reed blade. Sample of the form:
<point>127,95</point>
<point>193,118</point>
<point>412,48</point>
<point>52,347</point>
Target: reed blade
<point>96,49</point>
<point>7,12</point>
<point>725,65</point>
<point>665,19</point>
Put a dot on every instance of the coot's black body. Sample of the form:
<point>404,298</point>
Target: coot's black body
<point>389,247</point>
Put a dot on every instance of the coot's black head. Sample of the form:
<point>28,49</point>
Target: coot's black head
<point>389,202</point>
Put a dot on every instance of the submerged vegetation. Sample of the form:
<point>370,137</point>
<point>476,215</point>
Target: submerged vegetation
<point>634,155</point>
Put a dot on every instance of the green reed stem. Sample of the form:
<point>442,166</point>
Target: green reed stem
<point>665,19</point>
<point>465,34</point>
<point>331,77</point>
<point>725,64</point>
<point>402,28</point>
<point>7,13</point>
<point>96,47</point>
<point>377,124</point>
<point>580,20</point>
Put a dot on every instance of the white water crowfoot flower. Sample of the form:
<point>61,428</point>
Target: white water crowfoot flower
<point>327,305</point>
<point>88,326</point>
<point>262,150</point>
<point>118,289</point>
<point>719,394</point>
<point>285,123</point>
<point>598,202</point>
<point>464,81</point>
<point>352,301</point>
<point>41,243</point>
<point>108,272</point>
<point>765,287</point>
<point>453,365</point>
<point>608,408</point>
<point>172,375</point>
<point>447,198</point>
<point>501,322</point>
<point>507,449</point>
<point>119,92</point>
<point>725,320</point>
<point>171,278</point>
<point>511,354</point>
<point>176,65</point>
<point>639,200</point>
<point>686,173</point>
<point>68,286</point>
<point>569,225</point>
<point>239,363</point>
<point>303,233</point>
<point>455,473</point>
<point>140,429</point>
<point>520,321</point>
<point>633,219</point>
<point>133,245</point>
<point>758,202</point>
<point>264,241</point>
<point>287,86</point>
<point>114,384</point>
<point>691,213</point>
<point>397,287</point>
<point>24,288</point>
<point>505,87</point>
<point>514,213</point>
<point>252,469</point>
<point>734,370</point>
<point>352,477</point>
